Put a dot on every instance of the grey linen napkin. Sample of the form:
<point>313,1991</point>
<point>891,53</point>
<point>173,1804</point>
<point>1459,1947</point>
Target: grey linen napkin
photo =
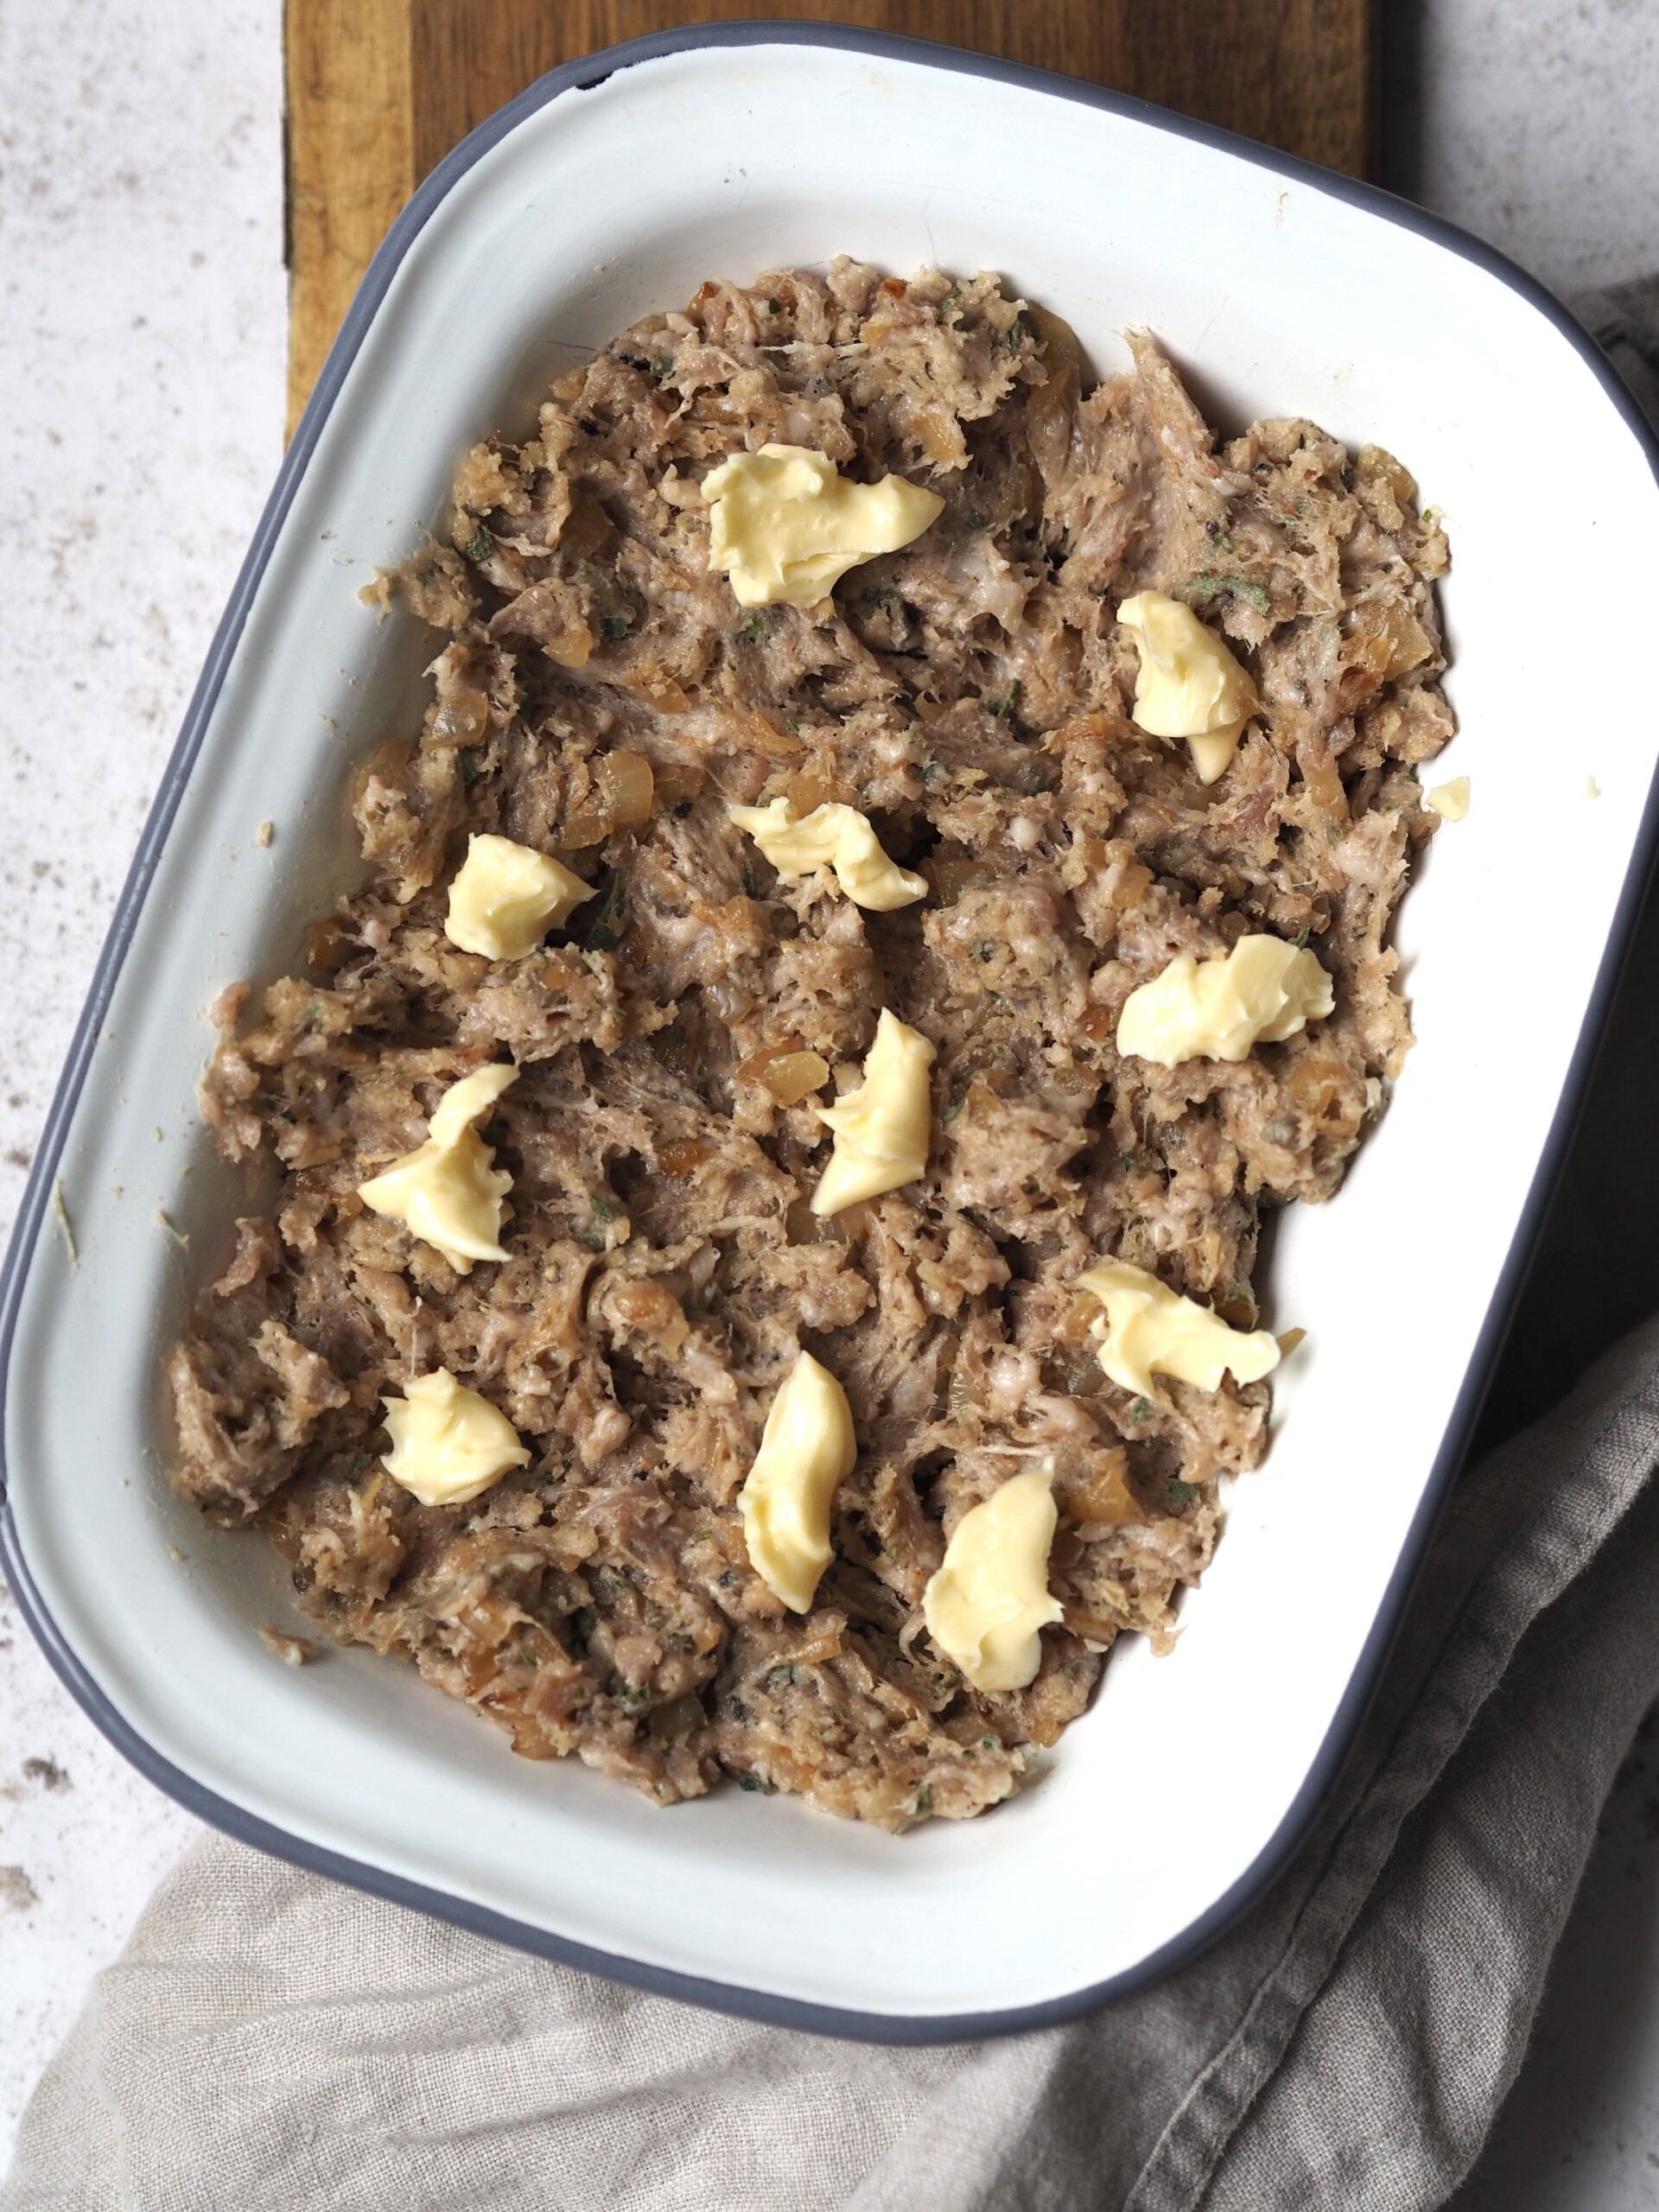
<point>271,2040</point>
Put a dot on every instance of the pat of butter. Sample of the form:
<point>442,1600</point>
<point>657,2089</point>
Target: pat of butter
<point>506,897</point>
<point>447,1193</point>
<point>1149,1329</point>
<point>1188,684</point>
<point>785,525</point>
<point>838,837</point>
<point>1263,990</point>
<point>881,1129</point>
<point>448,1444</point>
<point>1451,801</point>
<point>987,1603</point>
<point>807,1448</point>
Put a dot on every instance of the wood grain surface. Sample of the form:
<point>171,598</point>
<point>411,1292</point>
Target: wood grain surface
<point>378,91</point>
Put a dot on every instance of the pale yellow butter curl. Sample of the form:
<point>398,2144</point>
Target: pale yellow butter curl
<point>505,898</point>
<point>832,836</point>
<point>807,1449</point>
<point>989,1600</point>
<point>447,1443</point>
<point>447,1192</point>
<point>1188,684</point>
<point>883,1129</point>
<point>784,525</point>
<point>1261,992</point>
<point>1151,1330</point>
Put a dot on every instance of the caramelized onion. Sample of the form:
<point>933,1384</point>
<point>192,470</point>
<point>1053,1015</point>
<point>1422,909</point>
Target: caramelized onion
<point>586,527</point>
<point>949,878</point>
<point>573,649</point>
<point>647,1305</point>
<point>628,783</point>
<point>662,692</point>
<point>461,718</point>
<point>759,734</point>
<point>1101,1494</point>
<point>808,790</point>
<point>620,800</point>
<point>1327,1094</point>
<point>683,1156</point>
<point>788,1072</point>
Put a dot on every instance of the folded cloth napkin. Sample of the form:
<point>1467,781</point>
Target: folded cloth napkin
<point>269,2040</point>
<point>1625,319</point>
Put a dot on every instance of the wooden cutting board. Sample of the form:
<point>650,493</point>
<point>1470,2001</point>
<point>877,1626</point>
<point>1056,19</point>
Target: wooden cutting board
<point>378,91</point>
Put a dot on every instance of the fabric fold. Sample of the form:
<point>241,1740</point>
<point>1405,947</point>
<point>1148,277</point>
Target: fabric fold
<point>271,2039</point>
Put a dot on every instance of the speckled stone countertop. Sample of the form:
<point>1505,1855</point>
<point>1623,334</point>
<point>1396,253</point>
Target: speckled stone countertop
<point>141,356</point>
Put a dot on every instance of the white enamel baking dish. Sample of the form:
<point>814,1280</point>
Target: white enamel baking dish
<point>612,187</point>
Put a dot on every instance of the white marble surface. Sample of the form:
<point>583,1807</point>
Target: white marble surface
<point>141,417</point>
<point>1536,128</point>
<point>141,366</point>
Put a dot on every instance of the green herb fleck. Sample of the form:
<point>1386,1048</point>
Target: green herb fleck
<point>924,1803</point>
<point>951,1112</point>
<point>756,1782</point>
<point>1207,584</point>
<point>985,948</point>
<point>1178,1495</point>
<point>482,545</point>
<point>1004,707</point>
<point>1334,833</point>
<point>1019,331</point>
<point>774,307</point>
<point>748,878</point>
<point>933,774</point>
<point>583,1622</point>
<point>601,1213</point>
<point>314,1012</point>
<point>618,625</point>
<point>976,518</point>
<point>794,721</point>
<point>1303,934</point>
<point>359,1460</point>
<point>470,765</point>
<point>950,298</point>
<point>1126,1159</point>
<point>1138,1410</point>
<point>607,924</point>
<point>989,1743</point>
<point>754,631</point>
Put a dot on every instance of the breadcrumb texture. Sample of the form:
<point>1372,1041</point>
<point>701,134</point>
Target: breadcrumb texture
<point>598,695</point>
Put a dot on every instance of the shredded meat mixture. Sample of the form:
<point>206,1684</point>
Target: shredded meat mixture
<point>600,695</point>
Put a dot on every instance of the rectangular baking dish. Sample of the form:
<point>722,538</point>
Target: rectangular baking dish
<point>617,186</point>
